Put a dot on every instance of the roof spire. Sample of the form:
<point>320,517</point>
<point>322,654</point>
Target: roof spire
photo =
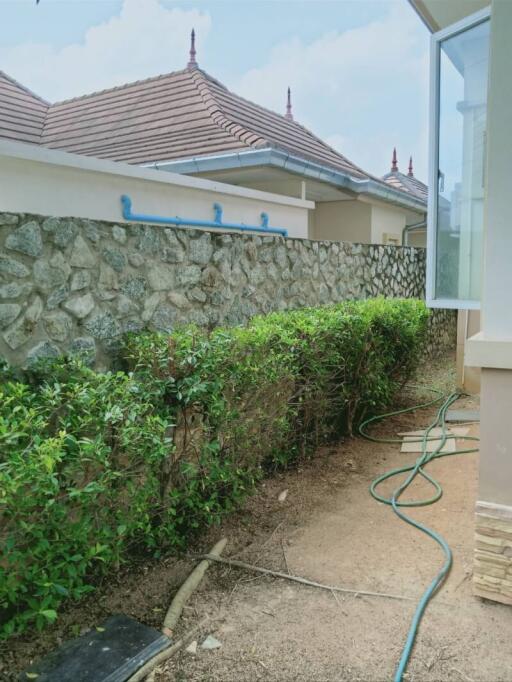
<point>289,114</point>
<point>394,162</point>
<point>192,64</point>
<point>410,173</point>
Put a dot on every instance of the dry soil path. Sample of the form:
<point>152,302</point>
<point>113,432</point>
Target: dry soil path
<point>331,530</point>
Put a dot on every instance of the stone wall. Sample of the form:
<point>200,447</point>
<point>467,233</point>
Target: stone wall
<point>492,570</point>
<point>77,285</point>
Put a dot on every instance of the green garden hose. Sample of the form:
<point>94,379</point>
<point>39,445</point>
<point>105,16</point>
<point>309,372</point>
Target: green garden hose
<point>414,470</point>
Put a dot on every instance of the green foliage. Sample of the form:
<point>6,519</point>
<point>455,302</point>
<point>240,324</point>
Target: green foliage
<point>95,468</point>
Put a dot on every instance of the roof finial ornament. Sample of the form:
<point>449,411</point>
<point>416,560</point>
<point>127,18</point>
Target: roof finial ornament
<point>289,114</point>
<point>192,64</point>
<point>410,173</point>
<point>394,162</point>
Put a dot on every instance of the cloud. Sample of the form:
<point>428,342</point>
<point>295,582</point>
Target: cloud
<point>143,40</point>
<point>364,90</point>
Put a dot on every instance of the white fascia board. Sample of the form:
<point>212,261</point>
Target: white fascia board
<point>37,154</point>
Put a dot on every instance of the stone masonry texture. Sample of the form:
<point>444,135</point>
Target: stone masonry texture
<point>492,570</point>
<point>73,285</point>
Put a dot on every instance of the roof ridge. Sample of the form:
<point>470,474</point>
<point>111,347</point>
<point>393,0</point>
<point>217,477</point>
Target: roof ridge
<point>24,87</point>
<point>406,184</point>
<point>218,115</point>
<point>403,175</point>
<point>293,122</point>
<point>119,87</point>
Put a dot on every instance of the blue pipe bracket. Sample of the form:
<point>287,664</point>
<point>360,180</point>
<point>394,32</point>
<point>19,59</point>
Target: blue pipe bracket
<point>216,223</point>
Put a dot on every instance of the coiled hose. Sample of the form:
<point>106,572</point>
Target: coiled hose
<point>394,501</point>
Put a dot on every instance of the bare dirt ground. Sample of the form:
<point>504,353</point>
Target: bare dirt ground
<point>330,530</point>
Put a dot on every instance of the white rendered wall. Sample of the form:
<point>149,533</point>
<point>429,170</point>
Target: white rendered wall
<point>497,277</point>
<point>387,222</point>
<point>417,238</point>
<point>496,312</point>
<point>48,182</point>
<point>348,221</point>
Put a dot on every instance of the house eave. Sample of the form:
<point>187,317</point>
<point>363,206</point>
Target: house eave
<point>277,158</point>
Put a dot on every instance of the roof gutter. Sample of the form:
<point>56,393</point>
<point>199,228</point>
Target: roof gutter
<point>294,164</point>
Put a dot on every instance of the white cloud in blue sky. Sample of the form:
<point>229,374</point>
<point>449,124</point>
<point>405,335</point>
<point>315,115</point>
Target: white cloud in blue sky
<point>357,68</point>
<point>143,38</point>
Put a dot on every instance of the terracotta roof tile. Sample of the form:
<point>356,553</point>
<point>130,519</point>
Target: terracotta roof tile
<point>22,113</point>
<point>176,115</point>
<point>407,183</point>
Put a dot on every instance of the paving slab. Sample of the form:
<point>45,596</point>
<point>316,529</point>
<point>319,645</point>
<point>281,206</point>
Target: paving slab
<point>463,416</point>
<point>413,445</point>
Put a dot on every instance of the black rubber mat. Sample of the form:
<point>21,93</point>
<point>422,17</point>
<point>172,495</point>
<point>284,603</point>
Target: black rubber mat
<point>112,652</point>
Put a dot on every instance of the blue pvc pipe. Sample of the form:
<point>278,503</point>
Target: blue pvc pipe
<point>126,204</point>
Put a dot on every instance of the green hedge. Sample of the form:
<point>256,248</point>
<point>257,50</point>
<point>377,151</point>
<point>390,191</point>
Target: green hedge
<point>96,468</point>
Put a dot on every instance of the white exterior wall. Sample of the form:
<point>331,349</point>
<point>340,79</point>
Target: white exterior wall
<point>417,238</point>
<point>359,221</point>
<point>348,221</point>
<point>48,182</point>
<point>492,347</point>
<point>387,222</point>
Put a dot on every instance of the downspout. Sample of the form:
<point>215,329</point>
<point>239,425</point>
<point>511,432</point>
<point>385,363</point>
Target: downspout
<point>411,228</point>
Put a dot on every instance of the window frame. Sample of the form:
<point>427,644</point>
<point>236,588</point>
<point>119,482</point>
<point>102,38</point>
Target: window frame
<point>434,119</point>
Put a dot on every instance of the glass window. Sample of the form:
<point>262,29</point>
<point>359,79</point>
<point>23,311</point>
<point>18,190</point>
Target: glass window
<point>462,108</point>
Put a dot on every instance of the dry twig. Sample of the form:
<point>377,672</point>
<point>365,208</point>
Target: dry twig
<point>303,581</point>
<point>285,559</point>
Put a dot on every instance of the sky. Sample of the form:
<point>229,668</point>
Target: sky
<point>358,69</point>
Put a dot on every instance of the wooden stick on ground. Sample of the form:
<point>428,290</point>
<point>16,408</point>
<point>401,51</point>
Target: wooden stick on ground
<point>174,612</point>
<point>303,581</point>
<point>191,583</point>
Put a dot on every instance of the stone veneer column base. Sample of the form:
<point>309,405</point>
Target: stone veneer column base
<point>492,577</point>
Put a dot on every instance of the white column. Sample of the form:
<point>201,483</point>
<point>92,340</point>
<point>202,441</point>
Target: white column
<point>496,406</point>
<point>497,276</point>
<point>492,348</point>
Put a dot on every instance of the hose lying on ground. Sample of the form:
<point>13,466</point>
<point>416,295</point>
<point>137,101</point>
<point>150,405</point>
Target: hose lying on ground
<point>414,470</point>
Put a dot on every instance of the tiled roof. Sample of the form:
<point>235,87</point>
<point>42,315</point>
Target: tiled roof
<point>175,116</point>
<point>153,120</point>
<point>22,113</point>
<point>274,130</point>
<point>178,115</point>
<point>407,183</point>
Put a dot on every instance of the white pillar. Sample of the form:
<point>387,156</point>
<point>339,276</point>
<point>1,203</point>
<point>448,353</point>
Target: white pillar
<point>492,348</point>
